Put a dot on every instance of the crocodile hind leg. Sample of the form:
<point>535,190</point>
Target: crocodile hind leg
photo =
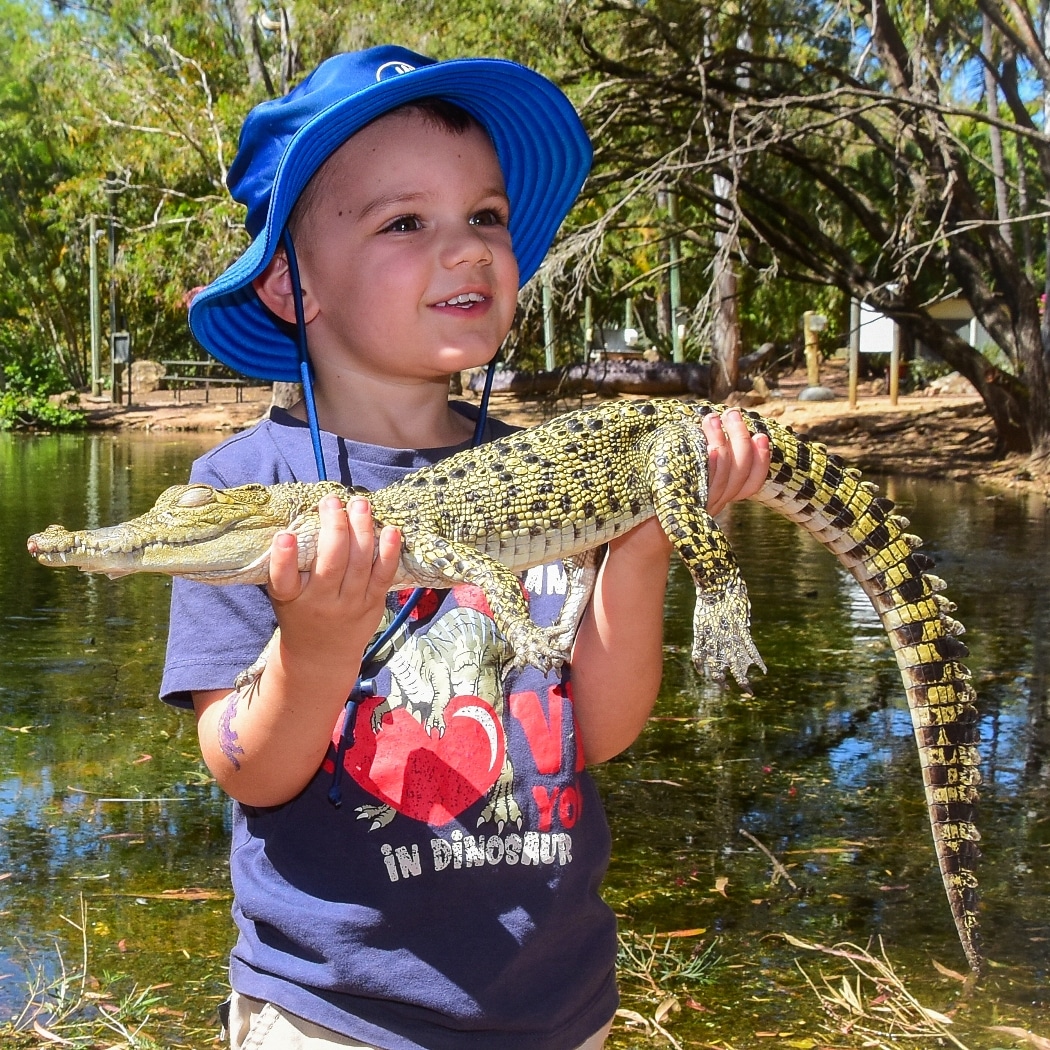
<point>581,573</point>
<point>676,469</point>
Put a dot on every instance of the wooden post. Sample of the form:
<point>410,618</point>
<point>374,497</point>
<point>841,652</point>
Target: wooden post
<point>812,344</point>
<point>895,364</point>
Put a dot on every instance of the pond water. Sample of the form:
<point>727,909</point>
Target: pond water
<point>113,836</point>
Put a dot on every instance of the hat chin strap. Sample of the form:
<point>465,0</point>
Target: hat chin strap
<point>306,374</point>
<point>365,685</point>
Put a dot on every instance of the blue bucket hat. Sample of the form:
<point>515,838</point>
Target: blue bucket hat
<point>541,145</point>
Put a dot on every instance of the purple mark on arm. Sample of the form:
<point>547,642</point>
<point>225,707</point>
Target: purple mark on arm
<point>227,734</point>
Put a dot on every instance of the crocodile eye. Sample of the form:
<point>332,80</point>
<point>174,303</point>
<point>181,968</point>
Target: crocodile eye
<point>196,496</point>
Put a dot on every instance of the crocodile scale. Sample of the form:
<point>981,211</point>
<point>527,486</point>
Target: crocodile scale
<point>561,490</point>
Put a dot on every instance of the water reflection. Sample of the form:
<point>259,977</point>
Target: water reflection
<point>819,765</point>
<point>80,659</point>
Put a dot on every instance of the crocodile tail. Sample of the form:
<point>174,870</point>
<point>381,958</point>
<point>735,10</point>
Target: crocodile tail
<point>815,488</point>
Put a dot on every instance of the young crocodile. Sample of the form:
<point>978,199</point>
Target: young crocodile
<point>564,488</point>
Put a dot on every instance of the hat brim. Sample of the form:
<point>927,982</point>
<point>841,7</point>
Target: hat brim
<point>543,151</point>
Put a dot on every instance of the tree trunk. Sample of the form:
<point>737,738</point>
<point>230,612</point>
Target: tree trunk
<point>249,34</point>
<point>995,138</point>
<point>725,350</point>
<point>286,395</point>
<point>725,342</point>
<point>1006,398</point>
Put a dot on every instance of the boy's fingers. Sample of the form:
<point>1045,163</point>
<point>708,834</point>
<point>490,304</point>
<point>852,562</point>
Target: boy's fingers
<point>333,540</point>
<point>741,450</point>
<point>387,560</point>
<point>717,463</point>
<point>361,539</point>
<point>738,462</point>
<point>759,466</point>
<point>286,582</point>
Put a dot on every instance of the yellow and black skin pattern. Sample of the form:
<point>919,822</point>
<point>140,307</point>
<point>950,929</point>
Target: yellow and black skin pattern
<point>563,490</point>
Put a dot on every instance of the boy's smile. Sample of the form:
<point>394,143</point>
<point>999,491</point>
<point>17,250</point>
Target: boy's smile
<point>407,266</point>
<point>464,301</point>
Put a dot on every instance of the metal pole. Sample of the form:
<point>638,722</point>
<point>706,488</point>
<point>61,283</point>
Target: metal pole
<point>114,320</point>
<point>676,278</point>
<point>95,310</point>
<point>548,324</point>
<point>854,350</point>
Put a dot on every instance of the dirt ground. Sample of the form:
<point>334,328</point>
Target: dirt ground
<point>944,436</point>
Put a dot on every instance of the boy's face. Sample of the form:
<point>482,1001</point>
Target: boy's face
<point>405,256</point>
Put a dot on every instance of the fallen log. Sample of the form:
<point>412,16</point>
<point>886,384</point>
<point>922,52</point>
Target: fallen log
<point>604,377</point>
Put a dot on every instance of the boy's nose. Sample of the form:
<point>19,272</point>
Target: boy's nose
<point>466,245</point>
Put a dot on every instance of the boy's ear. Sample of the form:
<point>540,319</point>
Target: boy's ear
<point>274,287</point>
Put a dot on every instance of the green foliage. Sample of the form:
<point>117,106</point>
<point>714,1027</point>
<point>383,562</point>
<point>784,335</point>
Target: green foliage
<point>67,1006</point>
<point>22,410</point>
<point>658,964</point>
<point>130,113</point>
<point>39,293</point>
<point>28,401</point>
<point>127,114</point>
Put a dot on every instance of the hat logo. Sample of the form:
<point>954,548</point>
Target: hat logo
<point>392,69</point>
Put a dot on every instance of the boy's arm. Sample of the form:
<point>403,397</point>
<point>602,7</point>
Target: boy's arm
<point>617,659</point>
<point>264,744</point>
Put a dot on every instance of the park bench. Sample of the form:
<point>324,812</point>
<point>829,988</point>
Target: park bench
<point>182,375</point>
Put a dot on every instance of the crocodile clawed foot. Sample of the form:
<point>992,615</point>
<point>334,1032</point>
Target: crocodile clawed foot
<point>732,652</point>
<point>722,636</point>
<point>535,647</point>
<point>248,679</point>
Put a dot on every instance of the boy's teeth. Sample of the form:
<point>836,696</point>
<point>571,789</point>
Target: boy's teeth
<point>463,300</point>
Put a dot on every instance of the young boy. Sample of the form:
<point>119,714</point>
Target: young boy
<point>451,900</point>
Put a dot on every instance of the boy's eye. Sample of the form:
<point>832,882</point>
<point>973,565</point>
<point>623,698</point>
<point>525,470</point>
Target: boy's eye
<point>402,224</point>
<point>488,217</point>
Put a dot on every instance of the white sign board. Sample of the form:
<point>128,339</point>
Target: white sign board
<point>877,331</point>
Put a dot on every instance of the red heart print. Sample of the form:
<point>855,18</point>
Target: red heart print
<point>423,774</point>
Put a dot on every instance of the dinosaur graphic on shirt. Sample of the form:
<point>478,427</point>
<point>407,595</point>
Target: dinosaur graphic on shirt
<point>437,741</point>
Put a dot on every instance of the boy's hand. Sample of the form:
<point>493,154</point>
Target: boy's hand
<point>336,606</point>
<point>738,463</point>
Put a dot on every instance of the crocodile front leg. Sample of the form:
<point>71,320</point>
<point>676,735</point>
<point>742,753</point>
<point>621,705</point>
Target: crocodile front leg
<point>439,561</point>
<point>676,471</point>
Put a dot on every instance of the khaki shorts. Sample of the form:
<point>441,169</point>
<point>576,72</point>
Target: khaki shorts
<point>256,1025</point>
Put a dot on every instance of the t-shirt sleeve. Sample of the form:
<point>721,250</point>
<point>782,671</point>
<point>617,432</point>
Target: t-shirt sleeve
<point>214,632</point>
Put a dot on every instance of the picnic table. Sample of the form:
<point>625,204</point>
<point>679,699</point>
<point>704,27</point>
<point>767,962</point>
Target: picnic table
<point>182,375</point>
